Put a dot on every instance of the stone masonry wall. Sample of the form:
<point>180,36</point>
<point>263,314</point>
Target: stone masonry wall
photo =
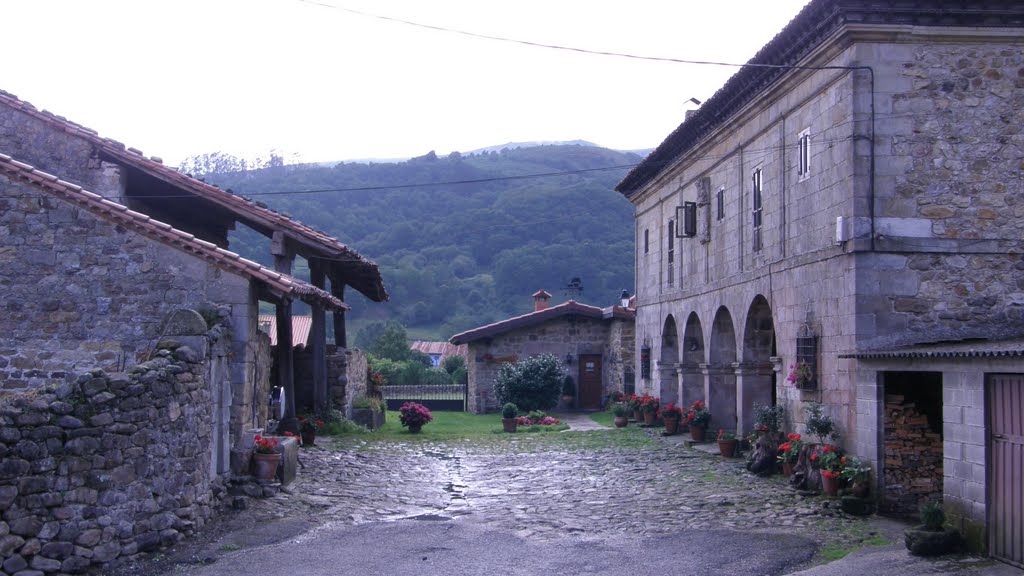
<point>107,466</point>
<point>78,293</point>
<point>355,375</point>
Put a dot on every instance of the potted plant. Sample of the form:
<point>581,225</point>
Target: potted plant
<point>819,423</point>
<point>568,391</point>
<point>931,538</point>
<point>727,443</point>
<point>789,452</point>
<point>508,417</point>
<point>800,374</point>
<point>633,405</point>
<point>856,475</point>
<point>368,411</point>
<point>697,418</point>
<point>671,415</point>
<point>828,459</point>
<point>649,406</point>
<point>308,427</point>
<point>768,419</point>
<point>414,416</point>
<point>265,457</point>
<point>619,411</point>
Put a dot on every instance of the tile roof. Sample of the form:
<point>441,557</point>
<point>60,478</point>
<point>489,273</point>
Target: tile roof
<point>445,349</point>
<point>816,22</point>
<point>363,274</point>
<point>1013,348</point>
<point>164,233</point>
<point>301,326</point>
<point>570,308</point>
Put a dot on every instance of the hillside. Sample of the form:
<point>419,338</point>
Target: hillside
<point>455,256</point>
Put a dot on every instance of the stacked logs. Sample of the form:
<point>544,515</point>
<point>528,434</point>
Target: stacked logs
<point>913,457</point>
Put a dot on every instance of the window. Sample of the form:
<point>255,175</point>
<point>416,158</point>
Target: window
<point>671,250</point>
<point>687,215</point>
<point>720,200</point>
<point>804,154</point>
<point>647,241</point>
<point>755,181</point>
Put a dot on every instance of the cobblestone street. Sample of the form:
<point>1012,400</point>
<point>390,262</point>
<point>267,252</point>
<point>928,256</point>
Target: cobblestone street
<point>585,487</point>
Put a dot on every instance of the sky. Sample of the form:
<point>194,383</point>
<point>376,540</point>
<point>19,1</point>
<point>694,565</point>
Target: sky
<point>319,82</point>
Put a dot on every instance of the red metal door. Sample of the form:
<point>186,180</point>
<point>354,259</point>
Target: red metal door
<point>590,381</point>
<point>1006,447</point>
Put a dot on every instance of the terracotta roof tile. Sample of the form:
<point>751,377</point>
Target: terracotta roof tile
<point>166,234</point>
<point>570,308</point>
<point>364,274</point>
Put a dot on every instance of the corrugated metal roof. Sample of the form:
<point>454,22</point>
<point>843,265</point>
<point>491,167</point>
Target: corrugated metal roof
<point>970,349</point>
<point>301,326</point>
<point>570,308</point>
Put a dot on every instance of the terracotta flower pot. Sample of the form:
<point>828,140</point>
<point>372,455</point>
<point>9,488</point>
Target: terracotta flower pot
<point>727,447</point>
<point>508,424</point>
<point>649,418</point>
<point>309,438</point>
<point>696,433</point>
<point>638,416</point>
<point>787,469</point>
<point>415,428</point>
<point>830,486</point>
<point>671,425</point>
<point>266,465</point>
<point>621,421</point>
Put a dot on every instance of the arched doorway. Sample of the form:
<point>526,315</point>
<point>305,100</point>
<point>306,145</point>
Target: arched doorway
<point>721,376</point>
<point>756,379</point>
<point>668,365</point>
<point>693,357</point>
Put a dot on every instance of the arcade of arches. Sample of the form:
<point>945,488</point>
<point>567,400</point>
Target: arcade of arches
<point>709,363</point>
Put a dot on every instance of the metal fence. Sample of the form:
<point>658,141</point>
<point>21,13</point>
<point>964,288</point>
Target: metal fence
<point>452,397</point>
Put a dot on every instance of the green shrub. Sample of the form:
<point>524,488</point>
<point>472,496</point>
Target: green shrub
<point>342,427</point>
<point>460,376</point>
<point>568,386</point>
<point>366,403</point>
<point>531,384</point>
<point>618,409</point>
<point>412,373</point>
<point>769,418</point>
<point>509,410</point>
<point>932,515</point>
<point>436,377</point>
<point>819,423</point>
<point>452,363</point>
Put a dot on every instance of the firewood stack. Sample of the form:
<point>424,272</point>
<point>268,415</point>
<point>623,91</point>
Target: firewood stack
<point>913,457</point>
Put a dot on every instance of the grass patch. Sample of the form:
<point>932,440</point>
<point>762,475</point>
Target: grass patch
<point>446,425</point>
<point>229,547</point>
<point>604,418</point>
<point>831,552</point>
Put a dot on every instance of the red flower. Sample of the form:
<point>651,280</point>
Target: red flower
<point>814,457</point>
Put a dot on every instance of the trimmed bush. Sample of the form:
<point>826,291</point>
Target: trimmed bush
<point>531,384</point>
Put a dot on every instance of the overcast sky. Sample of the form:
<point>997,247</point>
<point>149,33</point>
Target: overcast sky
<point>245,76</point>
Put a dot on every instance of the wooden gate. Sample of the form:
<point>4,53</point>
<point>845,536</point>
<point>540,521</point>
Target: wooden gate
<point>590,381</point>
<point>1006,447</point>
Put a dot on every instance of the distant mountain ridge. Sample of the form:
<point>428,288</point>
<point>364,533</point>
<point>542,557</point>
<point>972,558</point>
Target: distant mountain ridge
<point>457,256</point>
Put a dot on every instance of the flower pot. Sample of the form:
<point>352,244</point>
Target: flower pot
<point>415,428</point>
<point>508,424</point>
<point>671,425</point>
<point>649,418</point>
<point>621,421</point>
<point>787,469</point>
<point>727,447</point>
<point>859,488</point>
<point>830,486</point>
<point>266,465</point>
<point>309,438</point>
<point>696,433</point>
<point>638,416</point>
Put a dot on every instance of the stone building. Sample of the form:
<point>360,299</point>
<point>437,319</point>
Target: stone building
<point>852,199</point>
<point>595,344</point>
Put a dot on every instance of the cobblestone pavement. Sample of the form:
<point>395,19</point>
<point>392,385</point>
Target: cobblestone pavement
<point>586,485</point>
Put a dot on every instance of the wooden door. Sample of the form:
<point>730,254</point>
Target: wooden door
<point>590,381</point>
<point>1006,487</point>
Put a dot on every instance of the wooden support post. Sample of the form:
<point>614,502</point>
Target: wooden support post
<point>283,256</point>
<point>318,340</point>
<point>338,291</point>
<point>286,365</point>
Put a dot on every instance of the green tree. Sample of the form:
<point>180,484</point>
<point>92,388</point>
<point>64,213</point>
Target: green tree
<point>453,363</point>
<point>392,344</point>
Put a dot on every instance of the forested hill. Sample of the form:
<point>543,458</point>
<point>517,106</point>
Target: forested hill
<point>457,256</point>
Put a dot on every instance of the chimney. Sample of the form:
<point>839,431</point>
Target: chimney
<point>540,300</point>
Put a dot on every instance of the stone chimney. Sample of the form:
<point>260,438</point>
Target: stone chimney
<point>540,300</point>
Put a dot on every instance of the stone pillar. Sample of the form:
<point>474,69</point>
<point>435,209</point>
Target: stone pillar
<point>753,386</point>
<point>720,391</point>
<point>668,377</point>
<point>691,388</point>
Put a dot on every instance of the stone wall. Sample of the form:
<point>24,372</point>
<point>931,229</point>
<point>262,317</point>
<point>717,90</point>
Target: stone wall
<point>356,367</point>
<point>78,293</point>
<point>107,466</point>
<point>337,378</point>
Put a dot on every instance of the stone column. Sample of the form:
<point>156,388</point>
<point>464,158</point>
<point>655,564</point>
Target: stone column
<point>753,385</point>
<point>692,384</point>
<point>720,391</point>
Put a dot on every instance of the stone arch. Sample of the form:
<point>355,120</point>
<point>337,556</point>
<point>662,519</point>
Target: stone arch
<point>668,363</point>
<point>756,381</point>
<point>693,350</point>
<point>721,375</point>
